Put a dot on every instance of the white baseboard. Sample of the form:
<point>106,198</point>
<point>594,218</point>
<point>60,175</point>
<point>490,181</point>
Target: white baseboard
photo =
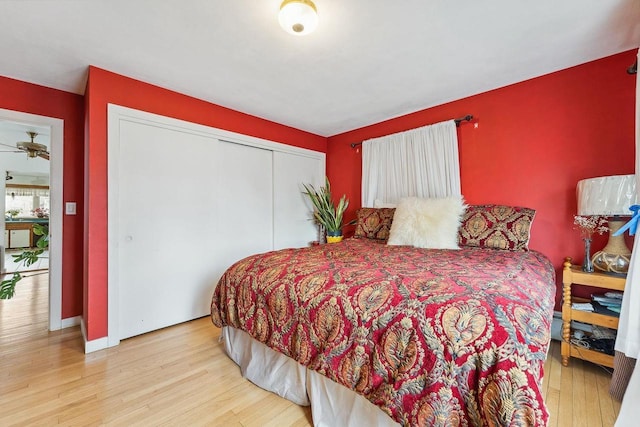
<point>71,321</point>
<point>94,345</point>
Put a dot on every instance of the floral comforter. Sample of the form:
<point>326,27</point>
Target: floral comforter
<point>432,337</point>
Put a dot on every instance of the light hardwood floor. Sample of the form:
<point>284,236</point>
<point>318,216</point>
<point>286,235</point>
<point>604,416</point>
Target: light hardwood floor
<point>181,376</point>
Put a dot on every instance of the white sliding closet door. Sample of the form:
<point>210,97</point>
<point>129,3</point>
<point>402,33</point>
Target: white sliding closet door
<point>166,200</point>
<point>187,201</point>
<point>293,225</point>
<point>245,195</point>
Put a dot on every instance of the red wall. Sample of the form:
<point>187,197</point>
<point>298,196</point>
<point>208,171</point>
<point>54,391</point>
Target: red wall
<point>29,98</point>
<point>534,140</point>
<point>105,87</point>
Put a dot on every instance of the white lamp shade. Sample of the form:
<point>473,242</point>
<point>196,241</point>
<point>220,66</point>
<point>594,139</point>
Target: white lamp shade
<point>298,17</point>
<point>607,195</point>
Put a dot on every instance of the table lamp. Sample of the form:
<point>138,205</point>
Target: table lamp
<point>609,196</point>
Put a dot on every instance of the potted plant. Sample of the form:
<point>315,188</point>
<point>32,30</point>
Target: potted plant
<point>26,258</point>
<point>325,212</point>
<point>40,213</point>
<point>13,213</point>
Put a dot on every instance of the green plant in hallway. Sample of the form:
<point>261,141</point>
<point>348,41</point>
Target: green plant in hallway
<point>26,259</point>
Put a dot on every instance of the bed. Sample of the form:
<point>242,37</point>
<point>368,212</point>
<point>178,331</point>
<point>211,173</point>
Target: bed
<point>370,333</point>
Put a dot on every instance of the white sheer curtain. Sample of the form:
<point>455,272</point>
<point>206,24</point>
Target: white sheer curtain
<point>628,337</point>
<point>421,162</point>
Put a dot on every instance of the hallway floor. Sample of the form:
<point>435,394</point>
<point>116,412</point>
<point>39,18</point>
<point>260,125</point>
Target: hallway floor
<point>11,267</point>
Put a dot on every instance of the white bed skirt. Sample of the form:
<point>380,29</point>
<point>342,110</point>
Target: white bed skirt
<point>332,404</point>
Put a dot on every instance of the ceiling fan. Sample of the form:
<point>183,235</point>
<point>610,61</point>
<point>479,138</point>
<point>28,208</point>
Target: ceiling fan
<point>33,149</point>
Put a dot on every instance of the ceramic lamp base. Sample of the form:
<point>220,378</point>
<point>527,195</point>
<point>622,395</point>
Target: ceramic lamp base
<point>615,257</point>
<point>611,263</point>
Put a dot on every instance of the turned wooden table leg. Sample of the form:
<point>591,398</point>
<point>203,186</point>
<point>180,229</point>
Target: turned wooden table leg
<point>565,348</point>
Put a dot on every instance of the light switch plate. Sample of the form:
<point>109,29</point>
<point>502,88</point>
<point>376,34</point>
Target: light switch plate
<point>70,208</point>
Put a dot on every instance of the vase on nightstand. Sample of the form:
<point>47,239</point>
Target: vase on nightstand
<point>587,264</point>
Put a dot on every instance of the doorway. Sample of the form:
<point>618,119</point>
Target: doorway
<point>26,205</point>
<point>13,123</point>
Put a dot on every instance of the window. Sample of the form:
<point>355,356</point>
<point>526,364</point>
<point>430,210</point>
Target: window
<point>420,162</point>
<point>26,200</point>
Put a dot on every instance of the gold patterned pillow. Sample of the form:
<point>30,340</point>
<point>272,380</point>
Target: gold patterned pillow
<point>496,227</point>
<point>374,223</point>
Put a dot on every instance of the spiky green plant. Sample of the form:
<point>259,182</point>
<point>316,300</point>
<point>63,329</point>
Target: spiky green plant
<point>28,257</point>
<point>325,212</point>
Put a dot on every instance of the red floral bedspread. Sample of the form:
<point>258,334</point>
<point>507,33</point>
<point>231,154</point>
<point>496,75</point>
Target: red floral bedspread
<point>433,337</point>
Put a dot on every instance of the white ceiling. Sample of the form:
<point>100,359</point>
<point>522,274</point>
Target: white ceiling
<point>369,60</point>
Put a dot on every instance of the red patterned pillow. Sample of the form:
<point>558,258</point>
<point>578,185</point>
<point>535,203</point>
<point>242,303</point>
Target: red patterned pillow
<point>496,227</point>
<point>374,223</point>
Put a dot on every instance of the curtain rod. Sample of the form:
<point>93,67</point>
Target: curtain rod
<point>466,118</point>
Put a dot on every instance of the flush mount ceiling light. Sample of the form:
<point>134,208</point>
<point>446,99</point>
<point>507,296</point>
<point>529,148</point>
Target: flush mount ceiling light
<point>298,17</point>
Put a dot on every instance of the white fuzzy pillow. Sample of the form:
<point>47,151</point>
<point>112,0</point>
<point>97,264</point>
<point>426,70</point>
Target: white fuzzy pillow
<point>427,223</point>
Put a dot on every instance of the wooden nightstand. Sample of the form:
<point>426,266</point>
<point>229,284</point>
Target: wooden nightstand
<point>573,275</point>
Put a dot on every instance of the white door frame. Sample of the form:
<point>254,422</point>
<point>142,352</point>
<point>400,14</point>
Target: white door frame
<point>55,215</point>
